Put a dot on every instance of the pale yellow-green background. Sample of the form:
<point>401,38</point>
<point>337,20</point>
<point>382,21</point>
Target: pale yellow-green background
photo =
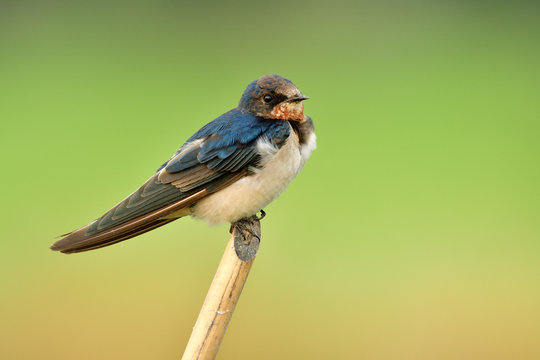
<point>412,233</point>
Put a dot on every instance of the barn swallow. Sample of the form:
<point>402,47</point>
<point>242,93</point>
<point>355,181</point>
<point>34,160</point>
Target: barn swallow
<point>228,170</point>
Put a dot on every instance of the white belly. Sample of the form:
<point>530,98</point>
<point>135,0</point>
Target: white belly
<point>250,194</point>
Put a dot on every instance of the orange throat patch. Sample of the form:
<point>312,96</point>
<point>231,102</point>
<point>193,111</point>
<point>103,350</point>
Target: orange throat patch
<point>288,111</point>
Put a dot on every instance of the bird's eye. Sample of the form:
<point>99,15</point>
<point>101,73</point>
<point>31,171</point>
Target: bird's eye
<point>267,98</point>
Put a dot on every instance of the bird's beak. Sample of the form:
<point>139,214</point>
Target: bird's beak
<point>297,98</point>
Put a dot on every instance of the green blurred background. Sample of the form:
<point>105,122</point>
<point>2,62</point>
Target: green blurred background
<point>412,233</point>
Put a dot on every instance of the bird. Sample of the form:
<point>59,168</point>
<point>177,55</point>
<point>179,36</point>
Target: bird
<point>229,170</point>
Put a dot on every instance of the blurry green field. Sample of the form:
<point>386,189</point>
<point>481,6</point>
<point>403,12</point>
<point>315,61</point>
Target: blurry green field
<point>412,233</point>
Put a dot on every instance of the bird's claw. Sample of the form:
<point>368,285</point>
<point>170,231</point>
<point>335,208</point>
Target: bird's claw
<point>247,237</point>
<point>263,214</point>
<point>244,228</point>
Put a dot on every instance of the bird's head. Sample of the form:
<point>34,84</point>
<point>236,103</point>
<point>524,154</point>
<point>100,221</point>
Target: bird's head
<point>273,97</point>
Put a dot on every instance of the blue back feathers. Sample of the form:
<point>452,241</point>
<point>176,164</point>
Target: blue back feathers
<point>235,130</point>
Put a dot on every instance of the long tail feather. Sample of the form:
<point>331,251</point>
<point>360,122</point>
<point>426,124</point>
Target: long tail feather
<point>69,244</point>
<point>91,237</point>
<point>79,240</point>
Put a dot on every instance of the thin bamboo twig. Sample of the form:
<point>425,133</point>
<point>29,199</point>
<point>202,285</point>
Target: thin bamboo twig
<point>224,291</point>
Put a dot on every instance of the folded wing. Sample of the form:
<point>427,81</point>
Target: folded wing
<point>218,157</point>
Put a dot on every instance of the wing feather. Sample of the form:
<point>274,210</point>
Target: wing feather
<point>80,240</point>
<point>216,156</point>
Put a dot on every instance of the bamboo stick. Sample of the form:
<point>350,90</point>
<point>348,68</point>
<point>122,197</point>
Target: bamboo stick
<point>224,291</point>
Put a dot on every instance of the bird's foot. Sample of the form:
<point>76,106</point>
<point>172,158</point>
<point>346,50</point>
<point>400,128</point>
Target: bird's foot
<point>246,229</point>
<point>247,237</point>
<point>259,218</point>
